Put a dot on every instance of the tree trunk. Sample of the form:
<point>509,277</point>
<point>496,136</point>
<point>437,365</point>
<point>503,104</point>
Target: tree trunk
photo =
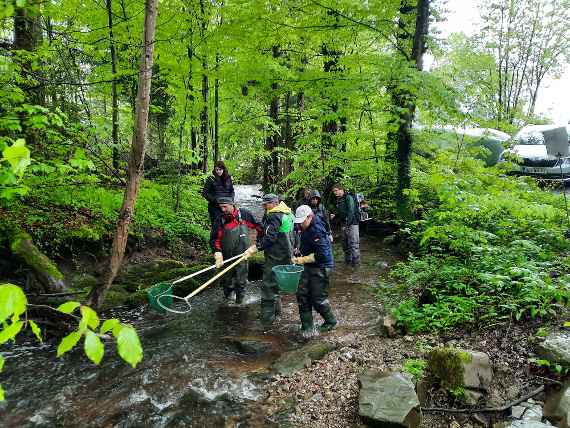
<point>216,113</point>
<point>204,116</point>
<point>271,162</point>
<point>136,160</point>
<point>114,97</point>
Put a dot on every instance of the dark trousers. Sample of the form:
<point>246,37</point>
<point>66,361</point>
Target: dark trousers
<point>313,290</point>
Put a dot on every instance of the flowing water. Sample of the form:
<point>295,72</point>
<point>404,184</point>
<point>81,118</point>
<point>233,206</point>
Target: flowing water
<point>192,374</point>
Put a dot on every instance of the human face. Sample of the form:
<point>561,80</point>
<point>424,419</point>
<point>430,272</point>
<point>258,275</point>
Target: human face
<point>227,208</point>
<point>339,193</point>
<point>219,171</point>
<point>314,201</point>
<point>307,222</point>
<point>269,205</point>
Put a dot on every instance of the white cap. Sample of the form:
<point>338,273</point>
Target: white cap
<point>302,212</point>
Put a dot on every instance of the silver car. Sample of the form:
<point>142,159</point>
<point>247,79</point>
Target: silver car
<point>541,151</point>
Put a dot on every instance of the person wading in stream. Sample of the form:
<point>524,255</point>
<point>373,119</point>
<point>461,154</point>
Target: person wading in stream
<point>277,244</point>
<point>217,185</point>
<point>317,258</point>
<point>347,212</point>
<point>230,237</point>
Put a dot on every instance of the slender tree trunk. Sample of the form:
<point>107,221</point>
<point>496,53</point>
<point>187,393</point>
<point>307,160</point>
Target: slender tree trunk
<point>114,97</point>
<point>271,162</point>
<point>216,113</point>
<point>136,160</point>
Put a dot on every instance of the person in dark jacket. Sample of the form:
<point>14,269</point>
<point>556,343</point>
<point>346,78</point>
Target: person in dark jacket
<point>217,185</point>
<point>347,212</point>
<point>277,243</point>
<point>317,258</point>
<point>230,237</point>
<point>320,211</point>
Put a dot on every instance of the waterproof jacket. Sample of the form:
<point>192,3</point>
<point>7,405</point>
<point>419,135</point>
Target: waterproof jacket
<point>278,235</point>
<point>320,211</point>
<point>347,210</point>
<point>315,240</point>
<point>230,233</point>
<point>215,187</point>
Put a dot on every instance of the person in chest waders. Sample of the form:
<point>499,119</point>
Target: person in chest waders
<point>277,244</point>
<point>230,237</point>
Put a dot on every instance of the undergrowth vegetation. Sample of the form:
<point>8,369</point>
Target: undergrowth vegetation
<point>487,248</point>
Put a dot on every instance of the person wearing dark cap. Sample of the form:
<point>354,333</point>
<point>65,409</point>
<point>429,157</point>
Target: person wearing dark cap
<point>320,211</point>
<point>217,185</point>
<point>277,244</point>
<point>317,258</point>
<point>230,237</point>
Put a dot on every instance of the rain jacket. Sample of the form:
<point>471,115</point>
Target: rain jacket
<point>215,187</point>
<point>240,218</point>
<point>347,210</point>
<point>315,240</point>
<point>320,211</point>
<point>278,236</point>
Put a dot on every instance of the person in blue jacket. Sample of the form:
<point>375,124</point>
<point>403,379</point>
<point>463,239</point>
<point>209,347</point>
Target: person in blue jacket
<point>317,258</point>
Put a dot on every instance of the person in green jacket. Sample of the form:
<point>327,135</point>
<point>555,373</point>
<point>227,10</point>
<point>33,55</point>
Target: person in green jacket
<point>277,243</point>
<point>347,213</point>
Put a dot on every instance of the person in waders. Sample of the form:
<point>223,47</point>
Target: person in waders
<point>230,237</point>
<point>317,258</point>
<point>277,244</point>
<point>347,212</point>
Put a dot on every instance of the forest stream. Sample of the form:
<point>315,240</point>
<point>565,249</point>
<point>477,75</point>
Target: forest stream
<point>194,371</point>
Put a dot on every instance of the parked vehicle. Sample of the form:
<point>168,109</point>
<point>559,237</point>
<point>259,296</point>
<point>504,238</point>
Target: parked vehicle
<point>541,151</point>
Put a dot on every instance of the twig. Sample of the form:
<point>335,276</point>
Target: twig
<point>69,293</point>
<point>53,309</point>
<point>487,409</point>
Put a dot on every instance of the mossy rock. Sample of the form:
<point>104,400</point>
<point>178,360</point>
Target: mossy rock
<point>84,281</point>
<point>447,365</point>
<point>116,297</point>
<point>144,276</point>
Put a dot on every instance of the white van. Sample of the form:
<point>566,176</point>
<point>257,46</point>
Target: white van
<point>543,152</point>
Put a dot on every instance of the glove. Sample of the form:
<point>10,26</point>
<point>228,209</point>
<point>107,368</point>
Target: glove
<point>304,259</point>
<point>250,252</point>
<point>219,259</point>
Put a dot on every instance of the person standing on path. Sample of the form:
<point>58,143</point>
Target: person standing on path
<point>230,237</point>
<point>277,244</point>
<point>347,212</point>
<point>217,185</point>
<point>317,258</point>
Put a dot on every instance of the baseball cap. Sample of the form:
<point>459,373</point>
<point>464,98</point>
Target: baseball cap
<point>302,212</point>
<point>269,197</point>
<point>225,200</point>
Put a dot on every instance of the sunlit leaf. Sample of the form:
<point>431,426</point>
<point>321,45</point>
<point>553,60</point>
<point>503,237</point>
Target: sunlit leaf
<point>129,345</point>
<point>10,332</point>
<point>90,317</point>
<point>93,346</point>
<point>37,331</point>
<point>68,307</point>
<point>68,342</point>
<point>108,325</point>
<point>12,301</point>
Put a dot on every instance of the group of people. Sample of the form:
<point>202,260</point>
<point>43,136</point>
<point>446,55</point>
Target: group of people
<point>303,238</point>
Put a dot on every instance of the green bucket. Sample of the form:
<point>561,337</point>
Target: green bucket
<point>157,290</point>
<point>288,277</point>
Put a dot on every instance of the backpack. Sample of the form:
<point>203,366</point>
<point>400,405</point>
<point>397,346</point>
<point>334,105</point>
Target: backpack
<point>358,198</point>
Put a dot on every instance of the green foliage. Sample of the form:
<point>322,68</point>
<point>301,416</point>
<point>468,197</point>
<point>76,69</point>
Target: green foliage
<point>446,365</point>
<point>13,304</point>
<point>483,250</point>
<point>415,368</point>
<point>553,367</point>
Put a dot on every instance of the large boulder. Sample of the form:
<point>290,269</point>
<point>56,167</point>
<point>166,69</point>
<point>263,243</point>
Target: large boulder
<point>293,361</point>
<point>555,348</point>
<point>460,368</point>
<point>388,399</point>
<point>557,407</point>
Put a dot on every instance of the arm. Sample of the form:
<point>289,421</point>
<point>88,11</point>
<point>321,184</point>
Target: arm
<point>251,222</point>
<point>208,190</point>
<point>271,232</point>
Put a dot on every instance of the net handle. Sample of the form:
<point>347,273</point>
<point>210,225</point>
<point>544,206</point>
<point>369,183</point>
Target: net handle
<point>242,257</point>
<point>204,270</point>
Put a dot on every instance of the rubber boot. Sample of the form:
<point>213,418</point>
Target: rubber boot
<point>330,321</point>
<point>307,326</point>
<point>267,312</point>
<point>228,294</point>
<point>239,297</point>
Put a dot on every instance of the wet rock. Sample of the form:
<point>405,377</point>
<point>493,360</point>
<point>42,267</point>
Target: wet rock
<point>556,348</point>
<point>477,372</point>
<point>472,397</point>
<point>557,407</point>
<point>252,346</point>
<point>293,361</point>
<point>524,424</point>
<point>528,411</point>
<point>388,399</point>
<point>387,326</point>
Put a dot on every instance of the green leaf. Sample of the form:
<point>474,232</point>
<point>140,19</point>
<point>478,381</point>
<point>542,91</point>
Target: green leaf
<point>90,317</point>
<point>566,324</point>
<point>1,393</point>
<point>93,346</point>
<point>68,307</point>
<point>68,342</point>
<point>20,3</point>
<point>18,156</point>
<point>36,331</point>
<point>13,301</point>
<point>11,331</point>
<point>1,363</point>
<point>129,345</point>
<point>109,325</point>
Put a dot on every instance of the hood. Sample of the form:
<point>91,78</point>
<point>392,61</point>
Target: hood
<point>315,194</point>
<point>534,152</point>
<point>281,208</point>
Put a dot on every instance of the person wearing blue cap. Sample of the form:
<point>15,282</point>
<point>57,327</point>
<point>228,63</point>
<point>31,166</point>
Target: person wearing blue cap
<point>317,258</point>
<point>277,243</point>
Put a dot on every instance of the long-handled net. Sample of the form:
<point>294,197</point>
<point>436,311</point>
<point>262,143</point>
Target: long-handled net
<point>162,298</point>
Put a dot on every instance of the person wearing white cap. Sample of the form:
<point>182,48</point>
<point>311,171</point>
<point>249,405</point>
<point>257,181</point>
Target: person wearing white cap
<point>317,258</point>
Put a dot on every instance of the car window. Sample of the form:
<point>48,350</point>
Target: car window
<point>530,138</point>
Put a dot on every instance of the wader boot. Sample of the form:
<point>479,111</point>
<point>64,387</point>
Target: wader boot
<point>278,306</point>
<point>267,312</point>
<point>239,298</point>
<point>307,326</point>
<point>330,321</point>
